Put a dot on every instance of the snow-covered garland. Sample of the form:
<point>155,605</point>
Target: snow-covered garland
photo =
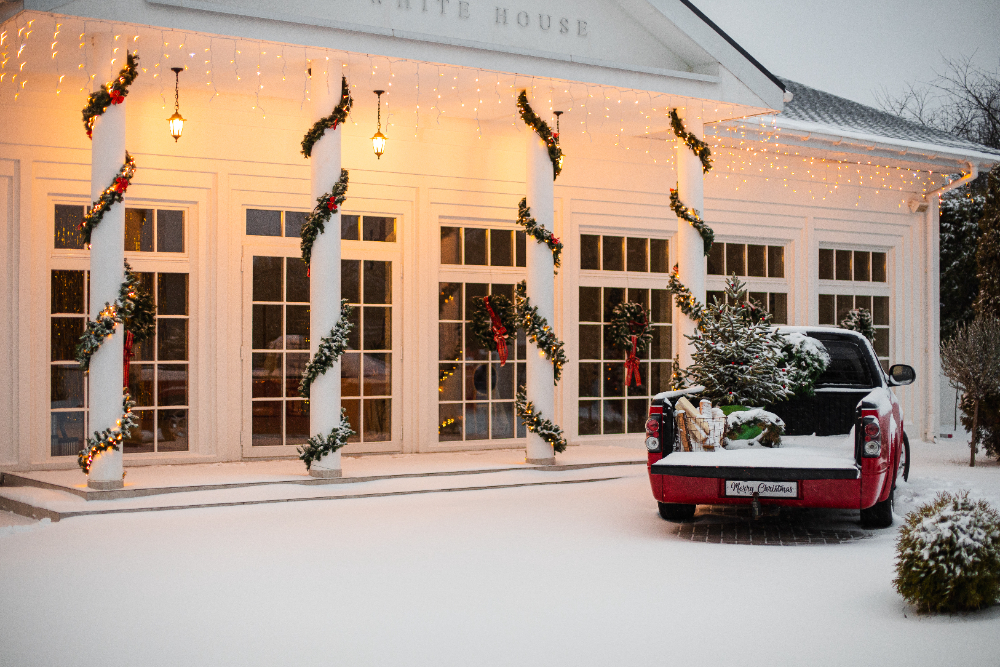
<point>860,320</point>
<point>540,234</point>
<point>539,331</point>
<point>338,116</point>
<point>631,333</point>
<point>692,216</point>
<point>330,349</point>
<point>113,194</point>
<point>134,308</point>
<point>109,438</point>
<point>542,129</point>
<point>697,146</point>
<point>111,93</point>
<point>316,221</point>
<point>494,322</point>
<point>686,301</point>
<point>534,422</point>
<point>317,446</point>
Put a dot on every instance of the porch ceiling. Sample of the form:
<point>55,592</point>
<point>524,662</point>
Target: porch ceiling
<point>44,54</point>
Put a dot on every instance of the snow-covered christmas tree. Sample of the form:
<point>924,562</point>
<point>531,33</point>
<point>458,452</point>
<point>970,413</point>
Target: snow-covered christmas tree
<point>737,355</point>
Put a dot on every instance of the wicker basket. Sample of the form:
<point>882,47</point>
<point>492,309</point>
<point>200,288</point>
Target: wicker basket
<point>700,434</point>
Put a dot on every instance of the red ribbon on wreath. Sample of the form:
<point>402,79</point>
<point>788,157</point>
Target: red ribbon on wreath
<point>127,357</point>
<point>632,367</point>
<point>499,332</point>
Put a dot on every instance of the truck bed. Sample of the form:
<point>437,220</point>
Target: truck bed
<point>798,458</point>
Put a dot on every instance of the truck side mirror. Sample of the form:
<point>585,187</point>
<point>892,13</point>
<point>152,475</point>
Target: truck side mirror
<point>901,374</point>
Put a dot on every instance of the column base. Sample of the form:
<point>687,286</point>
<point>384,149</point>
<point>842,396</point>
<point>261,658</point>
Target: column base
<point>105,485</point>
<point>551,461</point>
<point>325,473</point>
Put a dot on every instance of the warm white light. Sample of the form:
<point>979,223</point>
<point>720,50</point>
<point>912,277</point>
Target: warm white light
<point>176,125</point>
<point>378,143</point>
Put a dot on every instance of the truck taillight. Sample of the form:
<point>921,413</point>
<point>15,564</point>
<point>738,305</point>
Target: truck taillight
<point>652,427</point>
<point>872,446</point>
<point>653,430</point>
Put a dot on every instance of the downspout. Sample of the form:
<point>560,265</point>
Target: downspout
<point>971,176</point>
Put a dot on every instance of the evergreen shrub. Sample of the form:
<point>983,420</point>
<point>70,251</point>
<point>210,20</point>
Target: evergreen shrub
<point>948,555</point>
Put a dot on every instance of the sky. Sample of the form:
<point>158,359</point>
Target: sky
<point>854,48</point>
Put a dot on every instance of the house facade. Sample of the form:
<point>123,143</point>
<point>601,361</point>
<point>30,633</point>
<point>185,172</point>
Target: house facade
<point>817,204</point>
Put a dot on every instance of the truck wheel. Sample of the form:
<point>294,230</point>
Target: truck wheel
<point>904,464</point>
<point>676,511</point>
<point>879,515</point>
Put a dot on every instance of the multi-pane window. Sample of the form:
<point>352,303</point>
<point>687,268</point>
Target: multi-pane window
<point>606,405</point>
<point>775,303</point>
<point>476,393</point>
<point>366,369</point>
<point>854,265</point>
<point>146,230</point>
<point>833,308</point>
<point>263,222</point>
<point>473,246</point>
<point>160,369</point>
<point>624,253</point>
<point>368,228</point>
<point>68,388</point>
<point>745,259</point>
<point>280,351</point>
<point>158,374</point>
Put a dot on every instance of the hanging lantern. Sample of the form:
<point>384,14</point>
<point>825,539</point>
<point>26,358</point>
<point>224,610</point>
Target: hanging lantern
<point>176,121</point>
<point>556,135</point>
<point>378,141</point>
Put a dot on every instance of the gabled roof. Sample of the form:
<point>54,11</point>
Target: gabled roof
<point>838,115</point>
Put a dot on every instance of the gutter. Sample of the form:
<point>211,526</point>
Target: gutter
<point>971,176</point>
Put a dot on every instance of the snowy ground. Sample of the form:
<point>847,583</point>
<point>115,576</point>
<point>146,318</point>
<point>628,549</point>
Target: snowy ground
<point>564,574</point>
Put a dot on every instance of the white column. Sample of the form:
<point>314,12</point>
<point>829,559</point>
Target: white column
<point>932,324</point>
<point>690,248</point>
<point>324,281</point>
<point>107,256</point>
<point>541,291</point>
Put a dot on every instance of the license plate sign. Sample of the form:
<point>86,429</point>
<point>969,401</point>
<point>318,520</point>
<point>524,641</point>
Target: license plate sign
<point>746,489</point>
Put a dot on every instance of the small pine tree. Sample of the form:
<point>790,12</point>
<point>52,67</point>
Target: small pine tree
<point>737,355</point>
<point>961,210</point>
<point>860,320</point>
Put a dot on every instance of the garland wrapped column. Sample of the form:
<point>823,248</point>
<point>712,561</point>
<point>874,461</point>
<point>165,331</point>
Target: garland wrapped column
<point>328,184</point>
<point>542,168</point>
<point>104,116</point>
<point>690,243</point>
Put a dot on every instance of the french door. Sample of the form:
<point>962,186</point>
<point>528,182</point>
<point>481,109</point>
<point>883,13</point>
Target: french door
<point>275,350</point>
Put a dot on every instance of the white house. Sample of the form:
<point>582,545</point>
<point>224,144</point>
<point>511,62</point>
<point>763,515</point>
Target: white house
<point>820,203</point>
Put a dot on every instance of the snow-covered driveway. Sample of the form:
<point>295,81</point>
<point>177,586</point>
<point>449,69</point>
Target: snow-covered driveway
<point>574,574</point>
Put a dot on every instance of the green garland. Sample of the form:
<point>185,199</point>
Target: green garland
<point>686,301</point>
<point>326,206</point>
<point>111,93</point>
<point>691,215</point>
<point>318,446</point>
<point>134,308</point>
<point>534,422</point>
<point>539,331</point>
<point>113,194</point>
<point>540,234</point>
<point>330,349</point>
<point>630,319</point>
<point>482,323</point>
<point>338,116</point>
<point>109,438</point>
<point>697,146</point>
<point>541,128</point>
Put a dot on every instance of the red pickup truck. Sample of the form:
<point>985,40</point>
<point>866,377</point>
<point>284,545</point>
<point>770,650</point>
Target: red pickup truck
<point>843,446</point>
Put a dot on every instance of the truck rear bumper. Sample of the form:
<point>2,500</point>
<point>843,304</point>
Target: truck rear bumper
<point>754,473</point>
<point>710,489</point>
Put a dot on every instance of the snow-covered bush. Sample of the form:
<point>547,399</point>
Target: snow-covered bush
<point>860,320</point>
<point>948,555</point>
<point>756,424</point>
<point>805,360</point>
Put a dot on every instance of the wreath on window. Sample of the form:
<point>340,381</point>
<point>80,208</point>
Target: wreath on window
<point>494,322</point>
<point>631,333</point>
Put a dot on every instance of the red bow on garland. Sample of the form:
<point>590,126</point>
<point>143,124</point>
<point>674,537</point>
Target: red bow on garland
<point>632,367</point>
<point>499,332</point>
<point>121,184</point>
<point>127,357</point>
<point>555,241</point>
<point>331,204</point>
<point>116,96</point>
